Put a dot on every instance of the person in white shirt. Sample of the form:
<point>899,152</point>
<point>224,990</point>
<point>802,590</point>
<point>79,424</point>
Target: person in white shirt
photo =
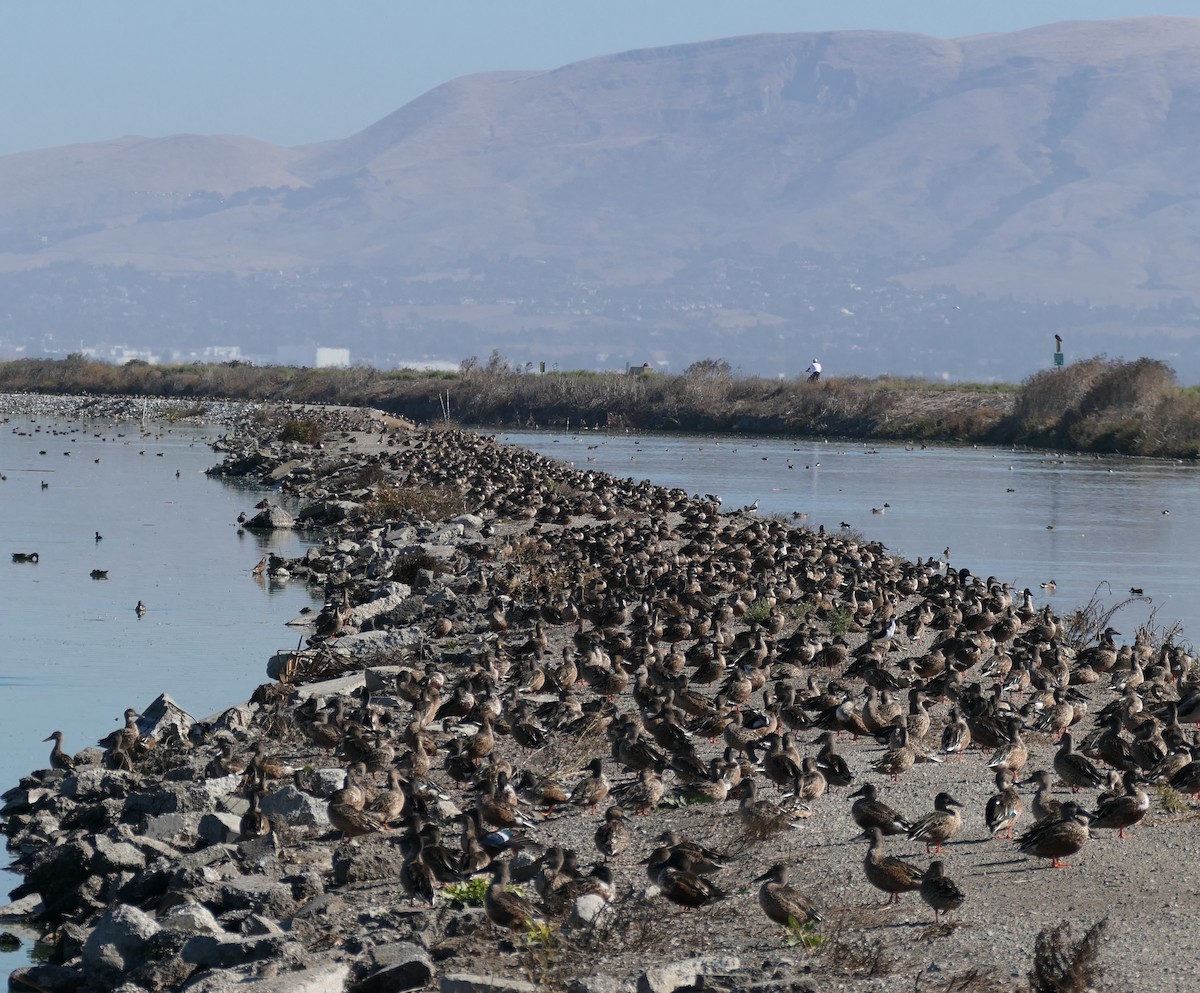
<point>814,371</point>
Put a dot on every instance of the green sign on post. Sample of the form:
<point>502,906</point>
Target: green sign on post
<point>1058,358</point>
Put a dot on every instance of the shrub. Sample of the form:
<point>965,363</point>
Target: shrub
<point>304,431</point>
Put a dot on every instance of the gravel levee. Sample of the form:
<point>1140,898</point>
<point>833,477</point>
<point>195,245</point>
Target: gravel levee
<point>496,621</point>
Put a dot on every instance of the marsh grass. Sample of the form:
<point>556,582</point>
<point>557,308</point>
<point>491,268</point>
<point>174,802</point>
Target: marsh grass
<point>1096,404</point>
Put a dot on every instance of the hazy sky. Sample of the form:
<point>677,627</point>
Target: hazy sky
<point>299,71</point>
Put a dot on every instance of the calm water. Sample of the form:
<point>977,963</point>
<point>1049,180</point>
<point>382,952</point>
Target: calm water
<point>1026,518</point>
<point>75,653</point>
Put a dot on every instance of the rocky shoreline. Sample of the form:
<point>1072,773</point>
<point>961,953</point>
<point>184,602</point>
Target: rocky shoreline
<point>496,625</point>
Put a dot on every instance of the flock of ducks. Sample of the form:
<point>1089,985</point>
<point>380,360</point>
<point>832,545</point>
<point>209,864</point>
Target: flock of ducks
<point>636,654</point>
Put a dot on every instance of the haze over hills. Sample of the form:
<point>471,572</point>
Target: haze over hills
<point>891,202</point>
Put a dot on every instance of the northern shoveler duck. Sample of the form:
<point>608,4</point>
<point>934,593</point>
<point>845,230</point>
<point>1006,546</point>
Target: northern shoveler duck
<point>782,903</point>
<point>870,812</point>
<point>1005,807</point>
<point>59,759</point>
<point>940,892</point>
<point>1123,810</point>
<point>940,825</point>
<point>613,836</point>
<point>888,873</point>
<point>1055,839</point>
<point>505,909</point>
<point>1074,768</point>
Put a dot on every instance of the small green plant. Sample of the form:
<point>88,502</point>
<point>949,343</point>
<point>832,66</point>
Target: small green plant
<point>541,933</point>
<point>804,935</point>
<point>306,431</point>
<point>1172,801</point>
<point>758,612</point>
<point>470,893</point>
<point>799,610</point>
<point>839,619</point>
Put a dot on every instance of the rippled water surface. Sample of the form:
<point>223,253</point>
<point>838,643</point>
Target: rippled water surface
<point>1028,518</point>
<point>75,654</point>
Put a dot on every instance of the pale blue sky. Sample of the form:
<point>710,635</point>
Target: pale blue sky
<point>299,71</point>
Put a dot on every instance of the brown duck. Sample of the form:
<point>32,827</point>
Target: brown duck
<point>888,873</point>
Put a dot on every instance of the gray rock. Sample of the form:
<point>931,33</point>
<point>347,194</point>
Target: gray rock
<point>260,894</point>
<point>116,856</point>
<point>382,677</point>
<point>588,910</point>
<point>191,918</point>
<point>27,906</point>
<point>468,521</point>
<point>284,469</point>
<point>212,952</point>
<point>341,686</point>
<point>400,966</point>
<point>91,783</point>
<point>678,975</point>
<point>219,829</point>
<point>315,978</point>
<point>366,862</point>
<point>174,829</point>
<point>381,642</point>
<point>601,983</point>
<point>47,978</point>
<point>466,982</point>
<point>295,808</point>
<point>164,718</point>
<point>118,941</point>
<point>273,518</point>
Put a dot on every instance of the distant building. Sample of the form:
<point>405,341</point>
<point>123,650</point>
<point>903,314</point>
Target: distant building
<point>313,357</point>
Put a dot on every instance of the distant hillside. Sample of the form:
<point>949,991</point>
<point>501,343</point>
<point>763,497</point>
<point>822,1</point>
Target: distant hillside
<point>808,189</point>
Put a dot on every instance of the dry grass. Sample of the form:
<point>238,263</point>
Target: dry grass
<point>1096,404</point>
<point>1061,965</point>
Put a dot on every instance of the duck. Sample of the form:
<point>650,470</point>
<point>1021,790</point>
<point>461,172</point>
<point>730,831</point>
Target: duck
<point>593,789</point>
<point>1075,769</point>
<point>870,812</point>
<point>888,873</point>
<point>764,818</point>
<point>1013,754</point>
<point>59,759</point>
<point>899,758</point>
<point>1055,839</point>
<point>940,825</point>
<point>956,736</point>
<point>782,903</point>
<point>837,771</point>
<point>643,793</point>
<point>254,823</point>
<point>700,857</point>
<point>1004,808</point>
<point>809,783</point>
<point>505,909</point>
<point>673,872</point>
<point>613,835</point>
<point>352,821</point>
<point>1043,806</point>
<point>940,893</point>
<point>140,609</point>
<point>1123,810</point>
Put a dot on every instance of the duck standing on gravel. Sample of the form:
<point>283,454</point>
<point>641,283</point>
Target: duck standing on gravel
<point>1056,839</point>
<point>782,903</point>
<point>1005,807</point>
<point>888,873</point>
<point>940,892</point>
<point>870,812</point>
<point>942,824</point>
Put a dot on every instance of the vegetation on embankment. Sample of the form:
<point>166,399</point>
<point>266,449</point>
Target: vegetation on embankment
<point>1098,404</point>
